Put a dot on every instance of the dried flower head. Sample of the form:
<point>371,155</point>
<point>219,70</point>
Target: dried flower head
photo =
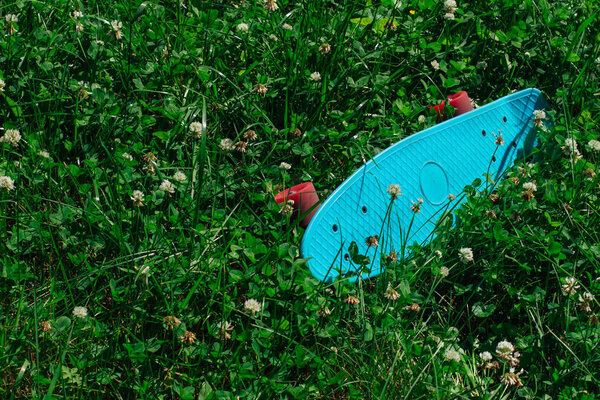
<point>352,300</point>
<point>494,197</point>
<point>241,146</point>
<point>490,214</point>
<point>46,327</point>
<point>287,208</point>
<point>416,207</point>
<point>392,257</point>
<point>250,135</point>
<point>325,48</point>
<point>372,241</point>
<point>414,307</point>
<point>499,140</point>
<point>512,379</point>
<point>527,195</point>
<point>585,301</point>
<point>188,337</point>
<point>171,322</point>
<point>297,132</point>
<point>260,88</point>
<point>451,197</point>
<point>391,293</point>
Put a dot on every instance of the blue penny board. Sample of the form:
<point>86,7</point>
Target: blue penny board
<point>430,164</point>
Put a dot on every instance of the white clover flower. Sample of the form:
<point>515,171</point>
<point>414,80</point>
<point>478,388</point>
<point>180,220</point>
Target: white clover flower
<point>571,149</point>
<point>77,14</point>
<point>532,187</point>
<point>2,84</point>
<point>78,28</point>
<point>394,191</point>
<point>435,64</point>
<point>539,114</point>
<point>438,254</point>
<point>465,254</point>
<point>284,166</point>
<point>167,186</point>
<point>444,271</point>
<point>594,145</point>
<point>421,119</point>
<point>80,312</point>
<point>223,328</point>
<point>252,306</point>
<point>505,348</point>
<point>137,197</point>
<point>585,301</point>
<point>271,5</point>
<point>12,18</point>
<point>242,28</point>
<point>452,354</point>
<point>116,26</point>
<point>287,27</point>
<point>315,77</point>
<point>226,145</point>
<point>538,117</point>
<point>179,177</point>
<point>127,156</point>
<point>449,16</point>
<point>11,136</point>
<point>196,128</point>
<point>450,6</point>
<point>485,356</point>
<point>44,154</point>
<point>273,38</point>
<point>7,183</point>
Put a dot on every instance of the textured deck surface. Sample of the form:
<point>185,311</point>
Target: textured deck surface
<point>431,164</point>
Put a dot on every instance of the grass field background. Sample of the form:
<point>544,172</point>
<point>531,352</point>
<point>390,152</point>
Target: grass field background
<point>143,255</point>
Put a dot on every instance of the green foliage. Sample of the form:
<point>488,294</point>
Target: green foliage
<point>151,142</point>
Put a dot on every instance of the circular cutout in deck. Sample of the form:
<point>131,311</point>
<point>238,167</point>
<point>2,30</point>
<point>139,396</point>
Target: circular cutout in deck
<point>434,183</point>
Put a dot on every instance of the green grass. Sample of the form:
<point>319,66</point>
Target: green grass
<point>187,261</point>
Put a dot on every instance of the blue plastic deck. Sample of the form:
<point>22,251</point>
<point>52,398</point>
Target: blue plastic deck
<point>432,165</point>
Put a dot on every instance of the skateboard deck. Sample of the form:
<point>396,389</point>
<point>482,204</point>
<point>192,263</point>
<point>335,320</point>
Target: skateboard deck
<point>429,166</point>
